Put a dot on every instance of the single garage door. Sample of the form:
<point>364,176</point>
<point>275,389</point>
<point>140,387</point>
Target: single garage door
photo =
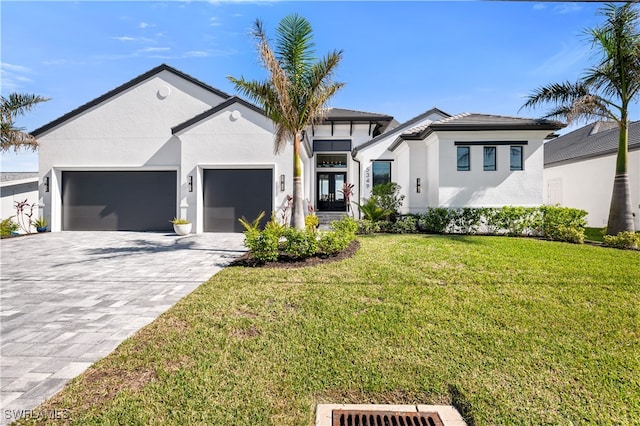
<point>118,200</point>
<point>233,193</point>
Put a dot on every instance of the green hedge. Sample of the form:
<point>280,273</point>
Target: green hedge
<point>553,222</point>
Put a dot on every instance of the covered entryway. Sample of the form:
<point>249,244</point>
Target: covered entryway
<point>230,194</point>
<point>118,200</point>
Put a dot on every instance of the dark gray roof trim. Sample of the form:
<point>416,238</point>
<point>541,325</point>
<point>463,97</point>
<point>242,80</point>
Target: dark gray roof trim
<point>405,125</point>
<point>122,88</point>
<point>208,113</point>
<point>588,142</point>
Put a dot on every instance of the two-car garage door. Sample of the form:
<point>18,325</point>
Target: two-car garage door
<point>146,200</point>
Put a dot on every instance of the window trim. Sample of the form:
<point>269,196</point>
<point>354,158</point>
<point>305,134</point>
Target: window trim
<point>494,166</point>
<point>466,168</point>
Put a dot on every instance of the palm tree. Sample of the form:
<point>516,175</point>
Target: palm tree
<point>605,92</point>
<point>296,92</point>
<point>10,107</point>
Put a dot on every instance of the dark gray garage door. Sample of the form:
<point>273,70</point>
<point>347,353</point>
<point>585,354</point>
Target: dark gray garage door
<point>118,201</point>
<point>232,193</point>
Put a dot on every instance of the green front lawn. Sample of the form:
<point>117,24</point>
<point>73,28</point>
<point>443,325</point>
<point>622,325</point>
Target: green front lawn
<point>512,331</point>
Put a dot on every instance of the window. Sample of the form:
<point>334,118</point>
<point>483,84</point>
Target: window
<point>464,159</point>
<point>381,172</point>
<point>489,158</point>
<point>516,157</point>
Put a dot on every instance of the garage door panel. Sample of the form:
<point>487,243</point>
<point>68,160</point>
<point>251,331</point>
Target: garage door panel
<point>233,193</point>
<point>118,200</point>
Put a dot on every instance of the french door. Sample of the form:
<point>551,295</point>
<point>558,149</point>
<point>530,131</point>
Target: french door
<point>330,196</point>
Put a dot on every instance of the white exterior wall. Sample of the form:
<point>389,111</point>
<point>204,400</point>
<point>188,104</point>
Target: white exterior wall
<point>237,137</point>
<point>131,131</point>
<point>479,188</point>
<point>588,185</point>
<point>19,191</point>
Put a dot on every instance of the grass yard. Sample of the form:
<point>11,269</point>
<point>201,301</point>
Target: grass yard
<point>511,331</point>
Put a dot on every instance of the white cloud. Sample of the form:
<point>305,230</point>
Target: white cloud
<point>196,54</point>
<point>214,22</point>
<point>124,38</point>
<point>143,25</point>
<point>14,77</point>
<point>564,60</point>
<point>567,8</point>
<point>539,6</point>
<point>154,49</point>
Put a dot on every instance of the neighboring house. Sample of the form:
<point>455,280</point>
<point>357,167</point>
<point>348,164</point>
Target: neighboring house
<point>579,170</point>
<point>165,144</point>
<point>18,187</point>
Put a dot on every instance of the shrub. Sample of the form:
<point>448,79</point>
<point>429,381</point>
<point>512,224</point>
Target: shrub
<point>263,245</point>
<point>405,225</point>
<point>333,242</point>
<point>563,223</point>
<point>347,225</point>
<point>311,222</point>
<point>367,226</point>
<point>518,220</point>
<point>299,243</point>
<point>466,220</point>
<point>388,197</point>
<point>623,240</point>
<point>372,211</point>
<point>8,227</point>
<point>435,220</point>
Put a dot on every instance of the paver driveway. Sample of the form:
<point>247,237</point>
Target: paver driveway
<point>69,298</point>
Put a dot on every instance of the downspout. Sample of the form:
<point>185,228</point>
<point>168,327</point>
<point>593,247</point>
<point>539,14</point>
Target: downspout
<point>353,157</point>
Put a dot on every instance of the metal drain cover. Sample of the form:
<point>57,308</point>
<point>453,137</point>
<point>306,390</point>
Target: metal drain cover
<point>384,418</point>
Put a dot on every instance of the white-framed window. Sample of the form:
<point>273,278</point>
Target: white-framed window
<point>463,158</point>
<point>516,157</point>
<point>489,158</point>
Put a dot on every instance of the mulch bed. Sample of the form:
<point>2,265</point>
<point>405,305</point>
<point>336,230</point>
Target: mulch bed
<point>287,262</point>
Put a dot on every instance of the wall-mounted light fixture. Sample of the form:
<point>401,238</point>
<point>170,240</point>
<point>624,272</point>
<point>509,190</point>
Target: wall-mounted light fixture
<point>46,184</point>
<point>282,183</point>
<point>418,185</point>
<point>190,183</point>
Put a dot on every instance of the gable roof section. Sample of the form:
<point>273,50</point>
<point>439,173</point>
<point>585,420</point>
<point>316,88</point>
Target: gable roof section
<point>593,140</point>
<point>475,122</point>
<point>137,80</point>
<point>208,113</point>
<point>404,126</point>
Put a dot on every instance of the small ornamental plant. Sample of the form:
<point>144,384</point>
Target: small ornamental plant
<point>179,221</point>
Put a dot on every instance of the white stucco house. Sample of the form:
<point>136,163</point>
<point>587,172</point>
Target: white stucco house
<point>579,169</point>
<point>167,145</point>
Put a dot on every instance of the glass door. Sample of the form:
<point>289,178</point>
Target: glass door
<point>330,196</point>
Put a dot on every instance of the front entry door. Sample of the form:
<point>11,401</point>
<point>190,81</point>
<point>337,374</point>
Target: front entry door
<point>330,196</point>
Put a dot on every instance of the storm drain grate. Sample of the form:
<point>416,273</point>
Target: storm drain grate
<point>384,418</point>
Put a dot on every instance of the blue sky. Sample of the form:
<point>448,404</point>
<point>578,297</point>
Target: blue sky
<point>400,58</point>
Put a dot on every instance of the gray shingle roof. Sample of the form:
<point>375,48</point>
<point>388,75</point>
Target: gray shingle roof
<point>473,121</point>
<point>338,114</point>
<point>593,140</point>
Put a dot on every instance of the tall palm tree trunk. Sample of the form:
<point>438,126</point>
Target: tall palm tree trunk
<point>620,216</point>
<point>297,213</point>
